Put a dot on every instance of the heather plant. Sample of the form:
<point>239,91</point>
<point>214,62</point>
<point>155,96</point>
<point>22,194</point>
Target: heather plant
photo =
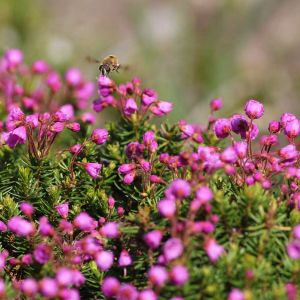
<point>136,210</point>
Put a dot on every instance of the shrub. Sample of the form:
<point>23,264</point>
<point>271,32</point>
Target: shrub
<point>137,210</point>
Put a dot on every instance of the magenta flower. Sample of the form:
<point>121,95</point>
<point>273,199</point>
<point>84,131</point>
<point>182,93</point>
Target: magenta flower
<point>161,108</point>
<point>68,111</point>
<point>63,210</point>
<point>13,58</point>
<point>110,230</point>
<point>29,287</point>
<point>130,107</point>
<point>88,118</point>
<point>45,228</point>
<point>236,294</point>
<point>40,67</point>
<point>229,155</point>
<point>54,82</point>
<point>110,287</point>
<point>75,127</point>
<point>92,169</point>
<point>73,77</point>
<point>179,275</point>
<point>85,222</point>
<point>172,249</point>
<point>204,194</point>
<point>99,136</point>
<point>48,287</point>
<point>296,232</point>
<point>42,253</point>
<point>274,127</point>
<point>124,259</point>
<point>178,189</point>
<point>158,275</point>
<point>127,292</point>
<point>167,208</point>
<point>57,127</point>
<point>104,260</point>
<point>216,104</point>
<point>148,97</point>
<point>293,249</point>
<point>129,178</point>
<point>240,149</point>
<point>20,226</point>
<point>213,249</point>
<point>148,137</point>
<point>222,128</point>
<point>254,109</point>
<point>292,128</point>
<point>153,238</point>
<point>126,168</point>
<point>27,209</point>
<point>285,118</point>
<point>239,125</point>
<point>17,136</point>
<point>147,294</point>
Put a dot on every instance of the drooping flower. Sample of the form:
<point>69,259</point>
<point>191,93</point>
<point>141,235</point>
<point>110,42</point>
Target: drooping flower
<point>99,136</point>
<point>93,169</point>
<point>222,128</point>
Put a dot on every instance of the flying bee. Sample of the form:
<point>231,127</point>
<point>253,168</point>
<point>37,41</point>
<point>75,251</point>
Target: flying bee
<point>108,64</point>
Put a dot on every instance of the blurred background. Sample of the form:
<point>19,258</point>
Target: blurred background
<point>189,51</point>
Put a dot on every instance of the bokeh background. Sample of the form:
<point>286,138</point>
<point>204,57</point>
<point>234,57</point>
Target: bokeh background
<point>190,51</point>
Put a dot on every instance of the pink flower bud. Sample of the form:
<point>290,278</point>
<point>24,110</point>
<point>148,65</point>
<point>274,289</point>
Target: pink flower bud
<point>93,169</point>
<point>13,58</point>
<point>20,226</point>
<point>63,210</point>
<point>172,249</point>
<point>222,128</point>
<point>130,107</point>
<point>124,259</point>
<point>88,118</point>
<point>236,294</point>
<point>40,67</point>
<point>29,287</point>
<point>27,209</point>
<point>85,222</point>
<point>75,127</point>
<point>274,127</point>
<point>129,178</point>
<point>110,230</point>
<point>216,104</point>
<point>254,109</point>
<point>48,287</point>
<point>53,82</point>
<point>213,249</point>
<point>99,136</point>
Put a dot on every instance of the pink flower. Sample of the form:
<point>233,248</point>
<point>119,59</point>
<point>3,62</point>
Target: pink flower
<point>285,118</point>
<point>158,275</point>
<point>153,238</point>
<point>129,178</point>
<point>274,126</point>
<point>147,294</point>
<point>236,294</point>
<point>42,253</point>
<point>85,222</point>
<point>167,208</point>
<point>179,275</point>
<point>216,104</point>
<point>29,287</point>
<point>110,287</point>
<point>88,118</point>
<point>124,259</point>
<point>73,77</point>
<point>40,67</point>
<point>213,249</point>
<point>254,109</point>
<point>178,189</point>
<point>110,230</point>
<point>48,287</point>
<point>99,136</point>
<point>20,226</point>
<point>75,127</point>
<point>27,209</point>
<point>222,128</point>
<point>292,128</point>
<point>130,107</point>
<point>63,210</point>
<point>148,97</point>
<point>127,292</point>
<point>104,260</point>
<point>204,194</point>
<point>173,248</point>
<point>53,82</point>
<point>17,136</point>
<point>161,108</point>
<point>93,169</point>
<point>57,127</point>
<point>13,58</point>
<point>126,168</point>
<point>293,249</point>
